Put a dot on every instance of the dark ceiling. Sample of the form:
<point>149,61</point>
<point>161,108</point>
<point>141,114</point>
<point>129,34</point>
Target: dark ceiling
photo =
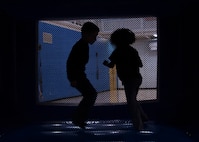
<point>44,9</point>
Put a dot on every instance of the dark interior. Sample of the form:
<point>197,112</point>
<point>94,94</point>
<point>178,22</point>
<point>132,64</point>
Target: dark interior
<point>178,61</point>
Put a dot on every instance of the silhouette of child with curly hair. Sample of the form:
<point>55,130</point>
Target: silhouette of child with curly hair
<point>128,64</point>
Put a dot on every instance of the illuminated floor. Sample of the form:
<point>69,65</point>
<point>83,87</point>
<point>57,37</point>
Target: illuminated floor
<point>97,131</point>
<point>118,96</point>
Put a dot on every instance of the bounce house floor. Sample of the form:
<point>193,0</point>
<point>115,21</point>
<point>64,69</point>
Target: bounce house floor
<point>96,131</point>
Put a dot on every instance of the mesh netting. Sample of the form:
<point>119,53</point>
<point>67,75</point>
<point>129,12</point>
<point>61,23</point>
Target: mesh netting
<point>59,36</point>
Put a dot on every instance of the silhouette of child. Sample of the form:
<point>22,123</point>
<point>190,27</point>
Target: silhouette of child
<point>76,62</point>
<point>128,64</point>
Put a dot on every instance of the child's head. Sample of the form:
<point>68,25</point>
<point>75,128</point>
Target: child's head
<point>89,32</point>
<point>122,37</point>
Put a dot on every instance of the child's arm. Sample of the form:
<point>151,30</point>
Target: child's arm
<point>110,65</point>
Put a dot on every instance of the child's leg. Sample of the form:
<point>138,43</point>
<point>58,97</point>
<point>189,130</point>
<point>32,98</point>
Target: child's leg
<point>134,108</point>
<point>89,96</point>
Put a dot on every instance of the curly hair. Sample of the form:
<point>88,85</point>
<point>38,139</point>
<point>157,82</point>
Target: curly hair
<point>122,36</point>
